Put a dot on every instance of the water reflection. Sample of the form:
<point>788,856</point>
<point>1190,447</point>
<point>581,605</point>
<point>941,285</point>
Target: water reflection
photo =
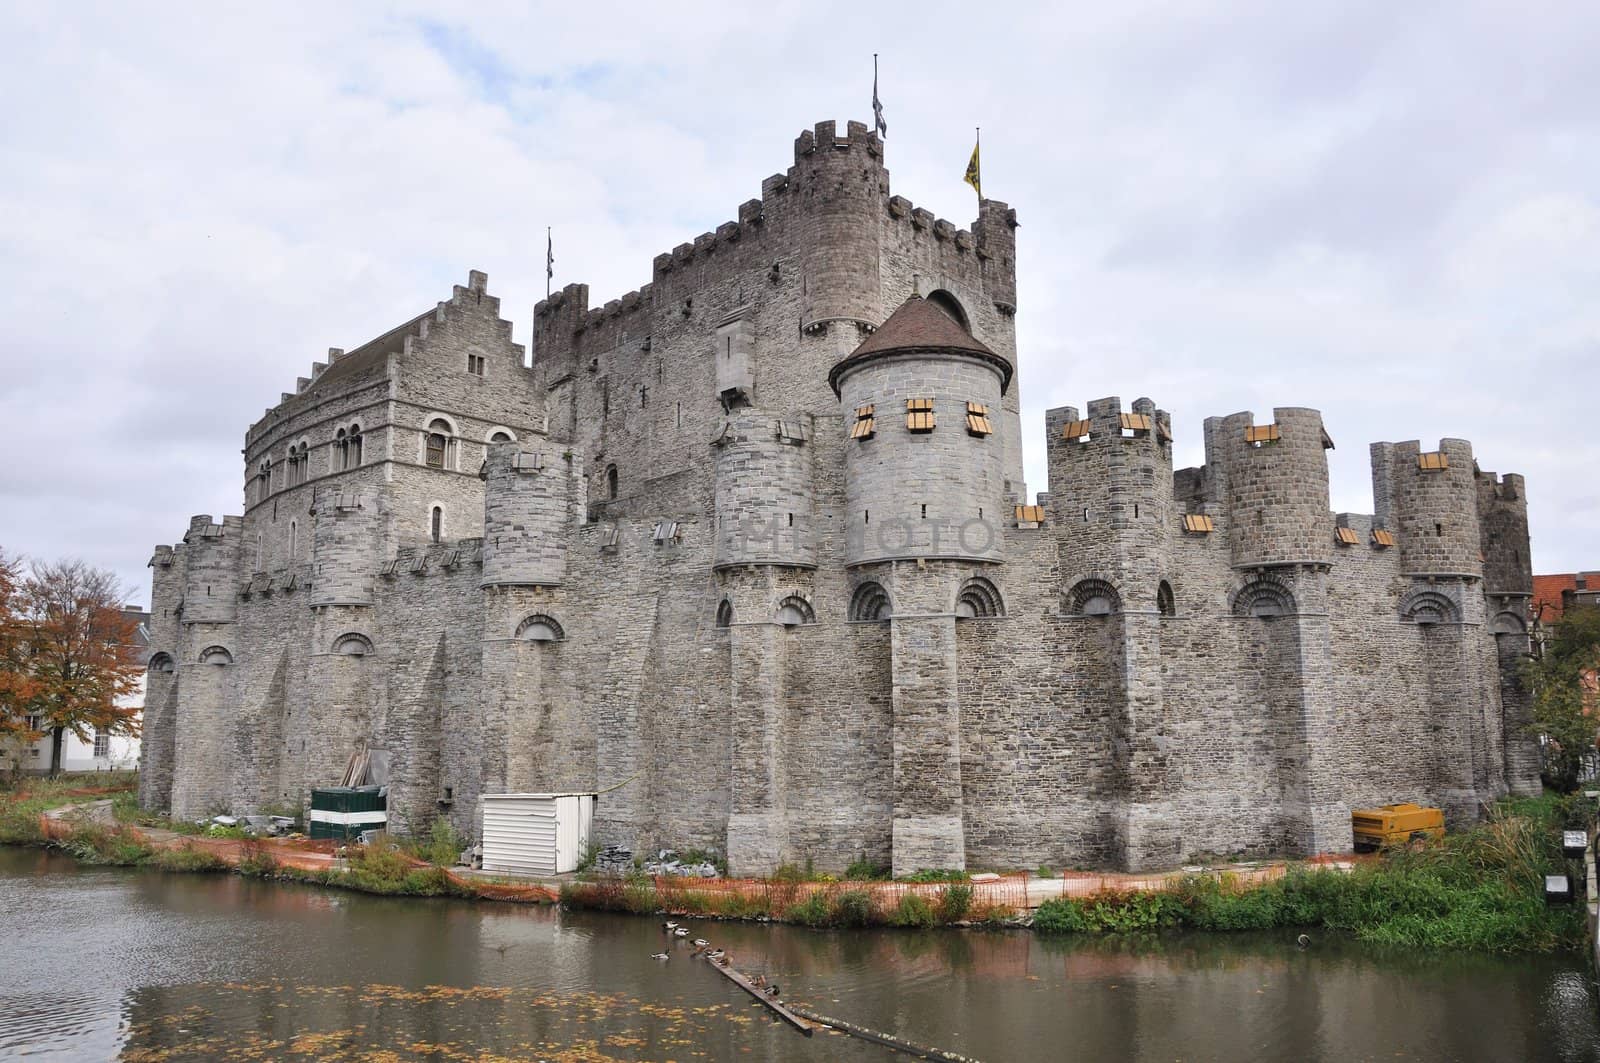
<point>99,962</point>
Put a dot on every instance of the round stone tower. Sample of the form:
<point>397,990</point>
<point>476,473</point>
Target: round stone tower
<point>924,470</point>
<point>1432,502</point>
<point>764,490</point>
<point>1277,486</point>
<point>842,184</point>
<point>524,510</point>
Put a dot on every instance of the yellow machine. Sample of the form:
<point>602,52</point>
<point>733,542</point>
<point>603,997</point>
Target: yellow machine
<point>1375,828</point>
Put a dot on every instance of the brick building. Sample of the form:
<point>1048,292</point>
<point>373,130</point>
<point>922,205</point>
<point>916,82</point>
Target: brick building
<point>753,541</point>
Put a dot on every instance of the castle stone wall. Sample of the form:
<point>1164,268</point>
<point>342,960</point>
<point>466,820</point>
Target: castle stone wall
<point>1108,686</point>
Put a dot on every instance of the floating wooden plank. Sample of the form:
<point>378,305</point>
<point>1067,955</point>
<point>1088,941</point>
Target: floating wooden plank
<point>888,1040</point>
<point>805,1026</point>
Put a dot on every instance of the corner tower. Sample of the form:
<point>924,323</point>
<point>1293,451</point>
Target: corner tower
<point>924,485</point>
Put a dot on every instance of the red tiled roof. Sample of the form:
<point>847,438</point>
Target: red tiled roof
<point>1548,591</point>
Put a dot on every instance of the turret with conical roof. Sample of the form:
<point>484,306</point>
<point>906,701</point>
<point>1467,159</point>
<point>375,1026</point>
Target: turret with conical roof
<point>924,471</point>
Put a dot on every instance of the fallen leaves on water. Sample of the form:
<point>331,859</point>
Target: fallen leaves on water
<point>275,1020</point>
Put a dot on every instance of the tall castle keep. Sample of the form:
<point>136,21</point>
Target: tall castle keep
<point>753,543</point>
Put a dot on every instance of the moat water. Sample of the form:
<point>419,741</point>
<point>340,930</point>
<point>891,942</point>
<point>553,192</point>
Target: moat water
<point>139,965</point>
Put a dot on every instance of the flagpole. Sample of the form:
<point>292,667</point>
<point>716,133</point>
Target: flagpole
<point>977,132</point>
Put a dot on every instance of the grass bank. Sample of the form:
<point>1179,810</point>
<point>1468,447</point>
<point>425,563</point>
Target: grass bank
<point>1480,889</point>
<point>419,869</point>
<point>787,900</point>
<point>25,798</point>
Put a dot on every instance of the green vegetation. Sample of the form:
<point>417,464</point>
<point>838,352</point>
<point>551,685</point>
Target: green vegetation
<point>187,857</point>
<point>914,911</point>
<point>935,874</point>
<point>1479,889</point>
<point>26,798</point>
<point>955,901</point>
<point>1561,680</point>
<point>441,848</point>
<point>115,846</point>
<point>862,869</point>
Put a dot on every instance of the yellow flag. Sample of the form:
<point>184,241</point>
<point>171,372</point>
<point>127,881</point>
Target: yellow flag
<point>972,173</point>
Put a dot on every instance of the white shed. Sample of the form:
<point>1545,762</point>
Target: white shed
<point>535,834</point>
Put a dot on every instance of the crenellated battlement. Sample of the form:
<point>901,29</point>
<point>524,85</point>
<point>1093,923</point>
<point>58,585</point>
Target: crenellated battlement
<point>831,209</point>
<point>1429,499</point>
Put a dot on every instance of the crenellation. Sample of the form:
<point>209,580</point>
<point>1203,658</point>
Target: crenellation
<point>775,492</point>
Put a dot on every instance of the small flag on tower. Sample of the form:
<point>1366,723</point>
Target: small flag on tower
<point>877,105</point>
<point>549,260</point>
<point>972,177</point>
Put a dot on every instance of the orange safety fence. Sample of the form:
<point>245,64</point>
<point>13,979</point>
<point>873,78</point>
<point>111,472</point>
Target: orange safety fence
<point>519,892</point>
<point>1081,884</point>
<point>691,894</point>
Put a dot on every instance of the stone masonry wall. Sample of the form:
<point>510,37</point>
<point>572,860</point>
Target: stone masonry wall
<point>1107,687</point>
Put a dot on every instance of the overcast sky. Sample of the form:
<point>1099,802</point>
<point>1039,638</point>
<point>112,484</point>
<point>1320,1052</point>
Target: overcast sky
<point>1385,211</point>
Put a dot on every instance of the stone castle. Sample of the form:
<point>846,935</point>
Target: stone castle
<point>750,549</point>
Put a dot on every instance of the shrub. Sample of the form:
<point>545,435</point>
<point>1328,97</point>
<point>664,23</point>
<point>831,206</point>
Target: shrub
<point>852,908</point>
<point>1061,915</point>
<point>913,910</point>
<point>936,874</point>
<point>813,911</point>
<point>219,830</point>
<point>443,845</point>
<point>954,902</point>
<point>255,861</point>
<point>789,873</point>
<point>862,869</point>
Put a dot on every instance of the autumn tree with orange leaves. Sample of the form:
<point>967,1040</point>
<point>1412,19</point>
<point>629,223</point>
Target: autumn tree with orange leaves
<point>67,654</point>
<point>17,686</point>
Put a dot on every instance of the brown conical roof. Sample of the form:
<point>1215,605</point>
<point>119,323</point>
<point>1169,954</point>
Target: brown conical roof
<point>919,325</point>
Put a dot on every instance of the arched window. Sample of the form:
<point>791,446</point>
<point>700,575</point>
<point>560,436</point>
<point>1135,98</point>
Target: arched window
<point>502,435</point>
<point>611,481</point>
<point>1507,624</point>
<point>951,306</point>
<point>352,644</point>
<point>341,450</point>
<point>161,662</point>
<point>216,655</point>
<point>540,628</point>
<point>1265,598</point>
<point>1093,597</point>
<point>724,613</point>
<point>978,597</point>
<point>795,611</point>
<point>1166,604</point>
<point>355,446</point>
<point>436,524</point>
<point>441,444</point>
<point>870,602</point>
<point>1429,607</point>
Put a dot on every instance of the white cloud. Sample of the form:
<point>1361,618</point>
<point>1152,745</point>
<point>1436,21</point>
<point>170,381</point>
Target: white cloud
<point>1387,213</point>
